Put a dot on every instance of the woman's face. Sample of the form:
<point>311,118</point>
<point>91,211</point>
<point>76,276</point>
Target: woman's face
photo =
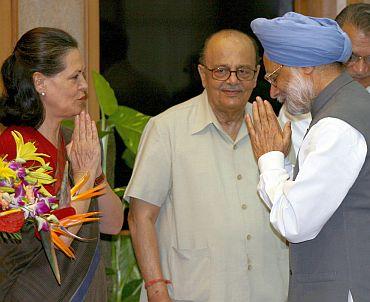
<point>65,92</point>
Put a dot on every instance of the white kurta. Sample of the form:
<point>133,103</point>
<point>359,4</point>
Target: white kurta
<point>299,126</point>
<point>214,237</point>
<point>337,151</point>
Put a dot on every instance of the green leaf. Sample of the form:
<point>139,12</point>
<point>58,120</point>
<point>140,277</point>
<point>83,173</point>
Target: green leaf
<point>120,191</point>
<point>105,94</point>
<point>131,288</point>
<point>130,125</point>
<point>129,158</point>
<point>110,271</point>
<point>103,133</point>
<point>134,298</point>
<point>48,245</point>
<point>70,124</point>
<point>124,262</point>
<point>7,189</point>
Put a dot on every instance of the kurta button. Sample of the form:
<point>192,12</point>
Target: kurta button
<point>249,267</point>
<point>244,206</point>
<point>239,177</point>
<point>249,237</point>
<point>235,147</point>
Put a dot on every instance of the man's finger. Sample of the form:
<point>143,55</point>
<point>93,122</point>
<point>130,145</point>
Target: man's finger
<point>271,116</point>
<point>262,113</point>
<point>250,127</point>
<point>256,117</point>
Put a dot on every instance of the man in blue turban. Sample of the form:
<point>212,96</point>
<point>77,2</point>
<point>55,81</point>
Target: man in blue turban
<point>323,208</point>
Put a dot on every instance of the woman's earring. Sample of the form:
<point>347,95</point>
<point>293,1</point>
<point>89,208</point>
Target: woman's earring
<point>42,93</point>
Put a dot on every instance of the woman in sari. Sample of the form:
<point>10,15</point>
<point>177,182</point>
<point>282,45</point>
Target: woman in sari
<point>44,84</point>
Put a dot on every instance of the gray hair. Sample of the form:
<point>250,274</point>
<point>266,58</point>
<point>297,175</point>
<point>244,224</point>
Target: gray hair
<point>357,14</point>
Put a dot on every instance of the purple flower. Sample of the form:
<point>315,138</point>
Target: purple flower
<point>42,207</point>
<point>45,226</point>
<point>20,202</point>
<point>6,183</point>
<point>42,224</point>
<point>14,165</point>
<point>19,191</point>
<point>21,173</point>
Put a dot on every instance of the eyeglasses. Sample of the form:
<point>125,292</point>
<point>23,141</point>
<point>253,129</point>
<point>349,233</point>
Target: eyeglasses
<point>272,77</point>
<point>355,58</point>
<point>223,73</point>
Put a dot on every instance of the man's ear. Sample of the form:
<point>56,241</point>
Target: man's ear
<point>202,75</point>
<point>39,82</point>
<point>258,71</point>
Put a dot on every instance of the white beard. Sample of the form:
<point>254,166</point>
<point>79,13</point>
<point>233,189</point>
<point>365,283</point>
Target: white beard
<point>298,95</point>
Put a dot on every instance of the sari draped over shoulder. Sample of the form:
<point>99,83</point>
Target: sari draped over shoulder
<point>25,273</point>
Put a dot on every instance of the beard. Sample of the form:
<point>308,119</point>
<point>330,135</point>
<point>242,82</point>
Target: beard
<point>298,95</point>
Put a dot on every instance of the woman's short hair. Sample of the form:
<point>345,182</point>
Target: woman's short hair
<point>41,50</point>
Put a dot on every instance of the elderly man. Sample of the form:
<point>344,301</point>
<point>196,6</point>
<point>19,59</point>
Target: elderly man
<point>355,21</point>
<point>196,220</point>
<point>324,209</point>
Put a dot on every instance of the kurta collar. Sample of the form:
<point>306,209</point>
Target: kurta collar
<point>328,92</point>
<point>204,116</point>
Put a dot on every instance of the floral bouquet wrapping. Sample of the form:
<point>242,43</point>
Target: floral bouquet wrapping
<point>24,200</point>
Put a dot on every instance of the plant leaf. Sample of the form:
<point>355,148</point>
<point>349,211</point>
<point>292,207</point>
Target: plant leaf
<point>124,262</point>
<point>129,158</point>
<point>50,253</point>
<point>110,271</point>
<point>70,124</point>
<point>120,191</point>
<point>129,124</point>
<point>131,288</point>
<point>105,94</point>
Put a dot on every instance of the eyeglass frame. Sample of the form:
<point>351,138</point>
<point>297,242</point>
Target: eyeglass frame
<point>268,76</point>
<point>230,72</point>
<point>357,58</point>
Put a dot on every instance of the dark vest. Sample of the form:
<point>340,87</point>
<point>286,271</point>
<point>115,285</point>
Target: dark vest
<point>325,268</point>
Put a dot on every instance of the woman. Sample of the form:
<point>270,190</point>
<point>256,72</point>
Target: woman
<point>44,84</point>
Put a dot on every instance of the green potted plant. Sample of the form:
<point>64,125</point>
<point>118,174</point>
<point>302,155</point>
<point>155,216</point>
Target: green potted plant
<point>129,123</point>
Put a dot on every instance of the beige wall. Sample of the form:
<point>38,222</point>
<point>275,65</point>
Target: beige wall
<point>67,15</point>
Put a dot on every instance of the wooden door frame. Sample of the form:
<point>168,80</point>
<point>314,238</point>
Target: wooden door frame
<point>8,29</point>
<point>92,52</point>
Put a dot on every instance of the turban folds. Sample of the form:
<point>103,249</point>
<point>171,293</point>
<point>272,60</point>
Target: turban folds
<point>301,41</point>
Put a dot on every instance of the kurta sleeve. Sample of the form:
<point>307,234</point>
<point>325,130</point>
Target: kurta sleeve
<point>151,177</point>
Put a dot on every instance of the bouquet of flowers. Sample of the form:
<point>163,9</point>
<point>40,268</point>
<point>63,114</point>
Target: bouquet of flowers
<point>24,200</point>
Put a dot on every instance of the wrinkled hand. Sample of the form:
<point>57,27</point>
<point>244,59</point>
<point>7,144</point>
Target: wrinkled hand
<point>265,132</point>
<point>84,148</point>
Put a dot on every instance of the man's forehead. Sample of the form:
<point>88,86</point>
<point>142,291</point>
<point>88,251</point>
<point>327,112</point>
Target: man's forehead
<point>230,48</point>
<point>359,39</point>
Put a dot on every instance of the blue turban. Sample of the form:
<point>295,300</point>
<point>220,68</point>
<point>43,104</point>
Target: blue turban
<point>301,41</point>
